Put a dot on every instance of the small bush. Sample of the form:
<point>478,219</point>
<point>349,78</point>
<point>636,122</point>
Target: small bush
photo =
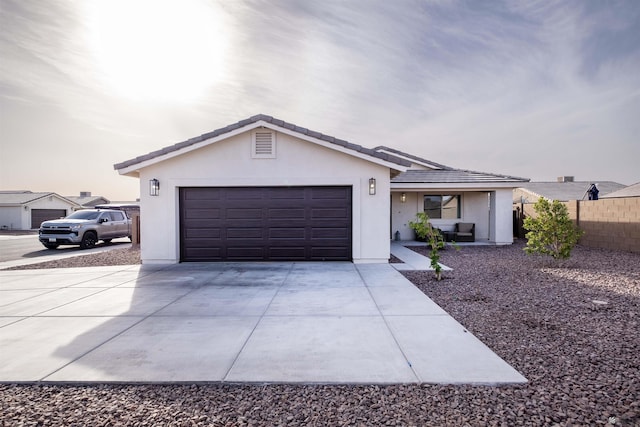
<point>552,232</point>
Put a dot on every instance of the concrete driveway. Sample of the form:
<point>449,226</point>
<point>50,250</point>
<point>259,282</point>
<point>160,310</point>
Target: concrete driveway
<point>251,322</point>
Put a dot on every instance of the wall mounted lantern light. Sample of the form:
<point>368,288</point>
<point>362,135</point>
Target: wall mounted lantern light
<point>372,186</point>
<point>154,187</point>
<point>403,197</point>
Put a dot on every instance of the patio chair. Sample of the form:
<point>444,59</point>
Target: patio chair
<point>465,232</point>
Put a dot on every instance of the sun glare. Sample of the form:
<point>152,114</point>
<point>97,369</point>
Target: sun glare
<point>158,50</point>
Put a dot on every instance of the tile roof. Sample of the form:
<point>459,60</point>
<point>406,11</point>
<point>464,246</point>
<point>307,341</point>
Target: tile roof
<point>442,174</point>
<point>273,121</point>
<point>630,191</point>
<point>88,200</point>
<point>572,190</point>
<point>416,159</point>
<point>12,198</point>
<point>453,176</point>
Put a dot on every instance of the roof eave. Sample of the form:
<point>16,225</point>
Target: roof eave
<point>475,186</point>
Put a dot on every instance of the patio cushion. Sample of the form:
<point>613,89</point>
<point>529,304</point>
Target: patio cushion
<point>465,227</point>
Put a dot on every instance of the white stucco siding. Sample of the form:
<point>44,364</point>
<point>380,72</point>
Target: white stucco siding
<point>476,210</point>
<point>11,218</point>
<point>502,217</point>
<point>229,163</point>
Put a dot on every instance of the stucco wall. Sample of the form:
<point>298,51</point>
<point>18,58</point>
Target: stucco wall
<point>501,223</point>
<point>11,218</point>
<point>229,163</point>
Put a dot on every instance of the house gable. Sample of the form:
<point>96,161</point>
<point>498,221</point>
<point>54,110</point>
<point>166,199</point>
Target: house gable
<point>261,121</point>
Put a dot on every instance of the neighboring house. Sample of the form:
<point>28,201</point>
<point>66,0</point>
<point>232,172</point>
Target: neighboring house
<point>264,189</point>
<point>86,200</point>
<point>630,191</point>
<point>564,190</point>
<point>26,210</point>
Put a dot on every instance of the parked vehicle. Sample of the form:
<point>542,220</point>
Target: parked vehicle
<point>85,228</point>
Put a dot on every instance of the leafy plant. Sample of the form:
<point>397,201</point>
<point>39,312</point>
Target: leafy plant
<point>421,226</point>
<point>425,231</point>
<point>552,232</point>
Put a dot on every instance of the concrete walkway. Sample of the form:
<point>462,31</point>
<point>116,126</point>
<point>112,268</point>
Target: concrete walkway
<point>411,259</point>
<point>251,322</point>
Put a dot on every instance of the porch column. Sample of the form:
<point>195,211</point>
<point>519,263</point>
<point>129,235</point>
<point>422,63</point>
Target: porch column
<point>500,217</point>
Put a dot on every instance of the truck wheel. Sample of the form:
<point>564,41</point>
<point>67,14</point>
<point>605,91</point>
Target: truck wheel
<point>88,240</point>
<point>51,245</point>
<point>106,241</point>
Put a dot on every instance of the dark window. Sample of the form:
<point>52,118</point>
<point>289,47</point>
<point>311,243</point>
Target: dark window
<point>117,216</point>
<point>442,206</point>
<point>84,215</point>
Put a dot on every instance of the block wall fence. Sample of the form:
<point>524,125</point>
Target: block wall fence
<point>607,223</point>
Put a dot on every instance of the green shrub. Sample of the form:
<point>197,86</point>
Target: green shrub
<point>425,231</point>
<point>552,232</point>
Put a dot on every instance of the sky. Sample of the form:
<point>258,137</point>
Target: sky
<point>536,89</point>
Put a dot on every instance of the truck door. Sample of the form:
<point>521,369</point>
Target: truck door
<point>121,225</point>
<point>105,226</point>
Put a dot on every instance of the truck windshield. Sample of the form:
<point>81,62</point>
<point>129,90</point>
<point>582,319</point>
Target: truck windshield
<point>84,215</point>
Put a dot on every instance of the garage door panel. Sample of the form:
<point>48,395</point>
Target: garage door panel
<point>266,223</point>
<point>288,253</point>
<point>286,213</point>
<point>244,213</point>
<point>245,233</point>
<point>204,194</point>
<point>329,233</point>
<point>191,233</point>
<point>204,243</point>
<point>245,253</point>
<point>243,193</point>
<point>202,254</point>
<point>330,253</point>
<point>288,193</point>
<point>203,213</point>
<point>287,233</point>
<point>334,213</point>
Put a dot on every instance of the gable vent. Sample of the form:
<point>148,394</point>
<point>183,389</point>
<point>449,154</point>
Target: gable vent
<point>264,144</point>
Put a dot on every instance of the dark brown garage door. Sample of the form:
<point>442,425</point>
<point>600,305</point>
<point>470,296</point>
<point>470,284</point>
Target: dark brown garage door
<point>265,223</point>
<point>38,216</point>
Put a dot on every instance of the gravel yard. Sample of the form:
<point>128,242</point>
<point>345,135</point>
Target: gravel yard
<point>571,329</point>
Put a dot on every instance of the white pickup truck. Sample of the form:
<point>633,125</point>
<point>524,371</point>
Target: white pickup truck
<point>85,228</point>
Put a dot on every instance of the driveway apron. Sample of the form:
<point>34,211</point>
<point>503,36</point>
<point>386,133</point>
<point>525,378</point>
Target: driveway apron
<point>287,322</point>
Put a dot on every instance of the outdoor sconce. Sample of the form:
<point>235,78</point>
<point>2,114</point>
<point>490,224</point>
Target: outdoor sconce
<point>372,186</point>
<point>403,197</point>
<point>154,187</point>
